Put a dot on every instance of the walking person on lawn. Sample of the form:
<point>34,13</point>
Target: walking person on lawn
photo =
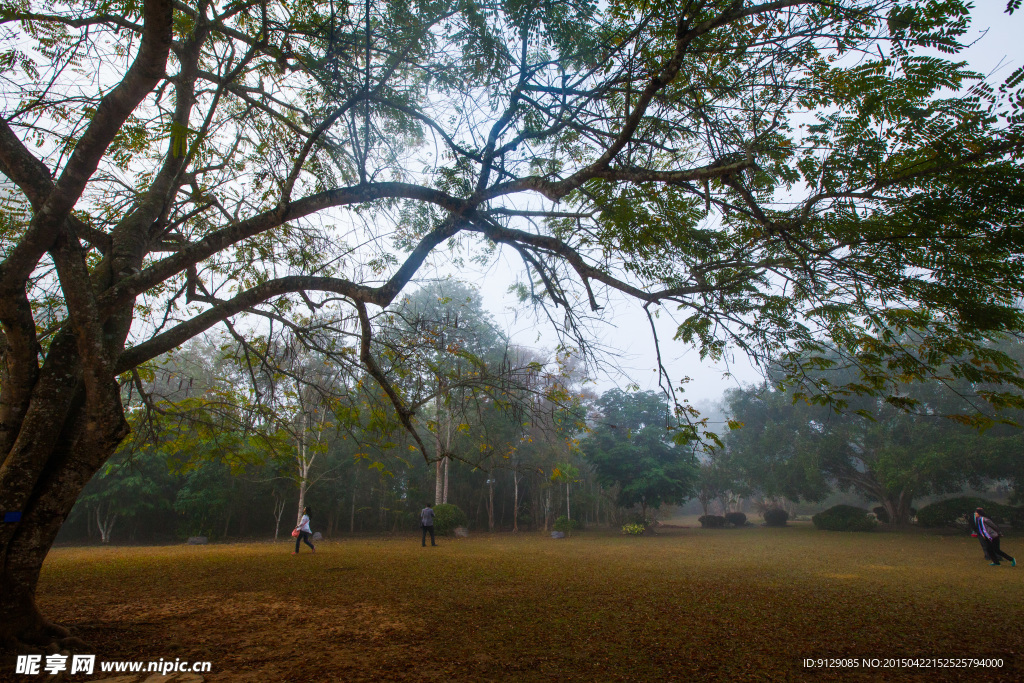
<point>427,522</point>
<point>986,547</point>
<point>304,532</point>
<point>988,530</point>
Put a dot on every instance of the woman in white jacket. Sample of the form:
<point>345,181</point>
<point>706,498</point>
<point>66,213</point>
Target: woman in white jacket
<point>304,532</point>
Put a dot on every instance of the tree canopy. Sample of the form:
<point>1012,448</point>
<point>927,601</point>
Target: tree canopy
<point>632,446</point>
<point>788,176</point>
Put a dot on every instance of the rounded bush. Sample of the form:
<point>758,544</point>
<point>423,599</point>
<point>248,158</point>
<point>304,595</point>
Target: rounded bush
<point>958,512</point>
<point>633,529</point>
<point>447,517</point>
<point>711,521</point>
<point>736,518</point>
<point>565,525</point>
<point>844,518</point>
<point>775,517</point>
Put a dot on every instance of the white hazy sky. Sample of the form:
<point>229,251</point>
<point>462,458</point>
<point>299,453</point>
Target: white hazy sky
<point>624,330</point>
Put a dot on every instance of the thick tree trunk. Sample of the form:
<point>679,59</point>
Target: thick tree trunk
<point>90,436</point>
<point>897,506</point>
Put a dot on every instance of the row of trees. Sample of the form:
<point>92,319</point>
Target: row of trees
<point>228,435</point>
<point>227,432</point>
<point>925,442</point>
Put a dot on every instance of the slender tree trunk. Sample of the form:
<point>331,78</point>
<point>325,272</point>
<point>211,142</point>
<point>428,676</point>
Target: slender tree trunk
<point>88,524</point>
<point>303,475</point>
<point>547,508</point>
<point>105,522</point>
<point>279,504</point>
<point>445,495</point>
<point>515,501</point>
<point>352,512</point>
<point>490,503</point>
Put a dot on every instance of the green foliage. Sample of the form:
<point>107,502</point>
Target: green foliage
<point>712,521</point>
<point>775,517</point>
<point>633,529</point>
<point>737,519</point>
<point>566,525</point>
<point>844,518</point>
<point>795,447</point>
<point>632,446</point>
<point>958,512</point>
<point>447,517</point>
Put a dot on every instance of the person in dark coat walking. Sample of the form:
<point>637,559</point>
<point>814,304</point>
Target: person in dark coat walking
<point>990,534</point>
<point>986,547</point>
<point>427,522</point>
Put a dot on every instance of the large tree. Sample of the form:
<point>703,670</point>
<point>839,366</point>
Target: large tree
<point>787,172</point>
<point>632,445</point>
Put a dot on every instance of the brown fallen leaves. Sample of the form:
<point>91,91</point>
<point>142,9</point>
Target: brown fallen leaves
<point>689,604</point>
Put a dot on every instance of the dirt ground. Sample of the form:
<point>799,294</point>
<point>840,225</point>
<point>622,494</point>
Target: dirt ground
<point>690,604</point>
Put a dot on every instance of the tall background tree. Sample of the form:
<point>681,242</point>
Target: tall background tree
<point>790,174</point>
<point>634,445</point>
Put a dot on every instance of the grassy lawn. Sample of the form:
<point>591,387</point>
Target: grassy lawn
<point>689,604</point>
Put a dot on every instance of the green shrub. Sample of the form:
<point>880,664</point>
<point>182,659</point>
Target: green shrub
<point>844,518</point>
<point>447,517</point>
<point>775,517</point>
<point>633,529</point>
<point>711,521</point>
<point>565,525</point>
<point>736,518</point>
<point>957,512</point>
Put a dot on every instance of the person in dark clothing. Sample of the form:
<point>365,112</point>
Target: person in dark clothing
<point>986,547</point>
<point>304,531</point>
<point>427,522</point>
<point>988,530</point>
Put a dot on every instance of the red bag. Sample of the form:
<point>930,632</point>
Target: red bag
<point>295,533</point>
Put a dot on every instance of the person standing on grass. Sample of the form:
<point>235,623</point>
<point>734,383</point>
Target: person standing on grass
<point>427,522</point>
<point>988,531</point>
<point>304,532</point>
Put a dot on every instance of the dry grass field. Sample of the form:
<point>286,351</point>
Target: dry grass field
<point>686,605</point>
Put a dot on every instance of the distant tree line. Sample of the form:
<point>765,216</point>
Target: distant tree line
<point>892,451</point>
<point>233,436</point>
